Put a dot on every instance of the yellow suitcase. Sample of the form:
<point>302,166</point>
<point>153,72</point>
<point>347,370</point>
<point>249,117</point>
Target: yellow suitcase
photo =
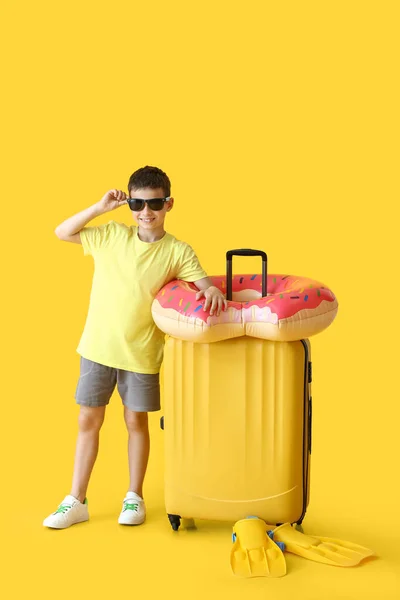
<point>237,426</point>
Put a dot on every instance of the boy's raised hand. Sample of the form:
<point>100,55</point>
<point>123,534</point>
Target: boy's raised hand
<point>111,200</point>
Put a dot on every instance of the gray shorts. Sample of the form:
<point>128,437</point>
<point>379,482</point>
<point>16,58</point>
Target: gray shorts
<point>139,391</point>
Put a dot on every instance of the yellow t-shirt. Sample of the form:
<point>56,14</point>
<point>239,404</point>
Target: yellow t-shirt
<point>119,330</point>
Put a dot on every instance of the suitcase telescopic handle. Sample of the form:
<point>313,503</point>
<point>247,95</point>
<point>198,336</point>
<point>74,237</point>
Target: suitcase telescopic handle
<point>244,252</point>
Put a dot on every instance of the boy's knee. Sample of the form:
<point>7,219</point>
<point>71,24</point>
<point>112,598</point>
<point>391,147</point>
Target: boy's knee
<point>91,418</point>
<point>136,421</point>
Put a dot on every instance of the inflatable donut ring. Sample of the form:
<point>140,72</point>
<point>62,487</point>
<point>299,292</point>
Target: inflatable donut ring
<point>294,308</point>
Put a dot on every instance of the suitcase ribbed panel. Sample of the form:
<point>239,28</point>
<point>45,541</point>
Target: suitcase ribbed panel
<point>234,429</point>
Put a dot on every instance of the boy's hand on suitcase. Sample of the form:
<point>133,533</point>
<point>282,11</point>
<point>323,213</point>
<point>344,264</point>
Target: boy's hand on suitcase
<point>215,300</point>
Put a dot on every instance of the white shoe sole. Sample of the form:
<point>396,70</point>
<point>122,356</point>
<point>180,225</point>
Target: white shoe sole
<point>82,520</point>
<point>122,522</point>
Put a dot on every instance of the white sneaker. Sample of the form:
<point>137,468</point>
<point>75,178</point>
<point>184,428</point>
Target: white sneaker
<point>69,512</point>
<point>133,510</point>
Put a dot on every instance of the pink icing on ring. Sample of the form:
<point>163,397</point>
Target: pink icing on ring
<point>295,307</point>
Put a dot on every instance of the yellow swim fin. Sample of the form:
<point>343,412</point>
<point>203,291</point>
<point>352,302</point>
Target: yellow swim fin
<point>320,549</point>
<point>253,553</point>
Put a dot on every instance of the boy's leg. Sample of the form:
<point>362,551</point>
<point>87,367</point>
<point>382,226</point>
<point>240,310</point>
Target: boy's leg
<point>138,448</point>
<point>140,394</point>
<point>74,508</point>
<point>94,390</point>
<point>95,387</point>
<point>87,446</point>
<point>133,507</point>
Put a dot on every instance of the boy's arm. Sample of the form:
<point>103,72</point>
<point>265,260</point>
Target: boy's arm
<point>69,230</point>
<point>214,297</point>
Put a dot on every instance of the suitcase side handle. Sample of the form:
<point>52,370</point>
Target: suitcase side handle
<point>244,252</point>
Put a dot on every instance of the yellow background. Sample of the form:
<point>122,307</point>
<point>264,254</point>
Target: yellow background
<point>278,125</point>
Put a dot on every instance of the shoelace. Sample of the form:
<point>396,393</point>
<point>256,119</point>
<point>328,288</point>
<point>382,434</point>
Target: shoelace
<point>128,506</point>
<point>63,508</point>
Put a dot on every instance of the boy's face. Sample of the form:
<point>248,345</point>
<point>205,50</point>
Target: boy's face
<point>146,218</point>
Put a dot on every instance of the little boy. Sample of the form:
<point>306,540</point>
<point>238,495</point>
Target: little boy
<point>121,345</point>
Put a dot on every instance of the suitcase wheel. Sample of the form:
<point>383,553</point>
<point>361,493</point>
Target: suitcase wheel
<point>175,521</point>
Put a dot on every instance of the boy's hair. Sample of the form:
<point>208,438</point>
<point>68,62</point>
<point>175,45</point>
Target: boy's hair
<point>149,177</point>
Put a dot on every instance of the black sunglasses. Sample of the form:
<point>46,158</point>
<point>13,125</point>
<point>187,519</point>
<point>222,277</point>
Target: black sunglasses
<point>137,204</point>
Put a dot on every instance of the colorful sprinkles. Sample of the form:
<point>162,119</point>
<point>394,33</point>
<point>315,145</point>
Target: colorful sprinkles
<point>292,288</point>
